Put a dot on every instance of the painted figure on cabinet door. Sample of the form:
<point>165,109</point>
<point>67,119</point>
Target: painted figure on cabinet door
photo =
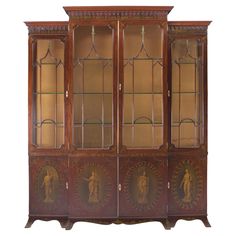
<point>143,187</point>
<point>93,188</point>
<point>49,183</point>
<point>186,186</point>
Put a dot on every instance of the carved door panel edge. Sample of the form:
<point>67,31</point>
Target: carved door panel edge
<point>143,187</point>
<point>188,190</point>
<point>92,187</point>
<point>48,186</point>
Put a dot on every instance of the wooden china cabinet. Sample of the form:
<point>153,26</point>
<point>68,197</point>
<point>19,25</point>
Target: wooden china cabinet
<point>118,117</point>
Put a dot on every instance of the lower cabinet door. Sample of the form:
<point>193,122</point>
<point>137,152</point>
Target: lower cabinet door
<point>143,187</point>
<point>187,193</point>
<point>48,181</point>
<point>93,187</point>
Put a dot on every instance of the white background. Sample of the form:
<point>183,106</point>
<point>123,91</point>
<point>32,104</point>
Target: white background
<point>13,117</point>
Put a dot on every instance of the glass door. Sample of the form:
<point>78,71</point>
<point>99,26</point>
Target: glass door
<point>187,99</point>
<point>142,89</point>
<point>93,81</point>
<point>48,116</point>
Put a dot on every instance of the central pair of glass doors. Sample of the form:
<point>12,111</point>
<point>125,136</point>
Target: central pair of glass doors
<point>118,86</point>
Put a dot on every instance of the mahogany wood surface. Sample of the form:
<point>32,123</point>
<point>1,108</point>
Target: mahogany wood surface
<point>117,168</point>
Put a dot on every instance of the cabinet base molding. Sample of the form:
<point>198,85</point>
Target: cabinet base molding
<point>173,219</point>
<point>167,223</point>
<point>117,221</point>
<point>61,219</point>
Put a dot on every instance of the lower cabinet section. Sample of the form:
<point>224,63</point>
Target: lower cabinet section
<point>48,182</point>
<point>93,187</point>
<point>187,193</point>
<point>117,189</point>
<point>143,187</point>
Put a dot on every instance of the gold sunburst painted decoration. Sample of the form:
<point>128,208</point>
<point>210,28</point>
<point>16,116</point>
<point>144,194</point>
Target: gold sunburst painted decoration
<point>143,186</point>
<point>187,184</point>
<point>94,185</point>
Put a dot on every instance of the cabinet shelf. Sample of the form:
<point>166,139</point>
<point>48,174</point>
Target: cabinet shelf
<point>143,93</point>
<point>48,93</point>
<point>187,62</point>
<point>92,123</point>
<point>160,59</point>
<point>94,59</point>
<point>92,93</point>
<point>186,92</point>
<point>177,124</point>
<point>142,123</point>
<point>48,122</point>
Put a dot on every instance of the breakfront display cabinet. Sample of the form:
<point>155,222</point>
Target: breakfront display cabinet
<point>118,117</point>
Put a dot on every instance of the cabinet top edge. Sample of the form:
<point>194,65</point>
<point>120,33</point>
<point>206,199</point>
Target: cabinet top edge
<point>117,11</point>
<point>189,23</point>
<point>46,23</point>
<point>47,27</point>
<point>118,8</point>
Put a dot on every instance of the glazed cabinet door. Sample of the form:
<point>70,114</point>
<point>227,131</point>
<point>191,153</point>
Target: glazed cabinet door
<point>48,186</point>
<point>94,86</point>
<point>143,81</point>
<point>188,88</point>
<point>143,187</point>
<point>47,93</point>
<point>93,187</point>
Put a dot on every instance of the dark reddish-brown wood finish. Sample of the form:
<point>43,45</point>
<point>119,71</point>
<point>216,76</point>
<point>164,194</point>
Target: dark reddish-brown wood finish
<point>176,169</point>
<point>39,205</point>
<point>104,203</point>
<point>131,169</point>
<point>118,168</point>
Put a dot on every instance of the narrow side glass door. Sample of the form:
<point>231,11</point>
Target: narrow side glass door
<point>48,120</point>
<point>187,99</point>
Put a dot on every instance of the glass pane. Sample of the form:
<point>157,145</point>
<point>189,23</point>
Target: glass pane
<point>187,93</point>
<point>92,108</point>
<point>48,93</point>
<point>143,107</point>
<point>185,135</point>
<point>128,109</point>
<point>92,136</point>
<point>143,76</point>
<point>93,71</point>
<point>77,101</point>
<point>93,87</point>
<point>143,135</point>
<point>107,136</point>
<point>77,136</point>
<point>143,90</point>
<point>49,135</point>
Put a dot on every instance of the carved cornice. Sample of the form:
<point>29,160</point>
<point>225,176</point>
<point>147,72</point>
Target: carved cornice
<point>117,12</point>
<point>191,27</point>
<point>47,27</point>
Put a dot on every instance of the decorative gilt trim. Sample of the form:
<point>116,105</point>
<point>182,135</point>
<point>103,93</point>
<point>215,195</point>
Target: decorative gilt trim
<point>47,27</point>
